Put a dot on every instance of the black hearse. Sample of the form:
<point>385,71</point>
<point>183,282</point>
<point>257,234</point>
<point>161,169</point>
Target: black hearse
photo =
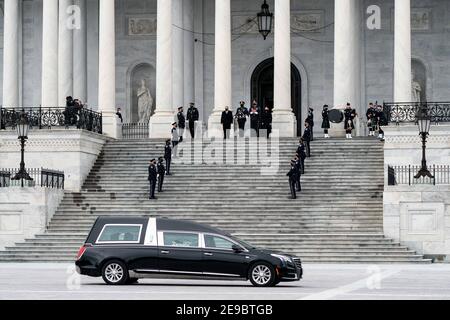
<point>125,249</point>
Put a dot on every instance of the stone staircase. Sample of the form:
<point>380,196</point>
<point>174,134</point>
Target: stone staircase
<point>337,217</point>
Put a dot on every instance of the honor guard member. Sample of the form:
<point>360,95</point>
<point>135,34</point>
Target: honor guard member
<point>192,117</point>
<point>371,116</point>
<point>161,172</point>
<point>254,119</point>
<point>292,174</point>
<point>241,117</point>
<point>381,117</point>
<point>168,156</point>
<point>266,121</point>
<point>349,116</point>
<point>307,139</point>
<point>226,121</point>
<point>174,135</point>
<point>325,121</point>
<point>298,168</point>
<point>301,151</point>
<point>310,120</point>
<point>181,123</point>
<point>152,176</point>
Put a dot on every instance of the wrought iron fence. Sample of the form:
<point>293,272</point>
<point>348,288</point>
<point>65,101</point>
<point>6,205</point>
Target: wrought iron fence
<point>47,118</point>
<point>132,131</point>
<point>45,178</point>
<point>408,112</point>
<point>404,175</point>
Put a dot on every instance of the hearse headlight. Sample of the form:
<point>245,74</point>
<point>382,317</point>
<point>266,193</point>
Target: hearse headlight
<point>284,259</point>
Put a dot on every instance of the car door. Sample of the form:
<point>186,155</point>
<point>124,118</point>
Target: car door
<point>179,252</point>
<point>219,258</point>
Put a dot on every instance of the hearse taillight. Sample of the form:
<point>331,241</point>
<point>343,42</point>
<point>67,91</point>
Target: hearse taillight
<point>82,250</point>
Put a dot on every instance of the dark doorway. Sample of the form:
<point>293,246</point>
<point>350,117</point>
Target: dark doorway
<point>262,89</point>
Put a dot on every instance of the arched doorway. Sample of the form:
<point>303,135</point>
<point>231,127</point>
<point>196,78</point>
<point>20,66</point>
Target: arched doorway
<point>262,89</point>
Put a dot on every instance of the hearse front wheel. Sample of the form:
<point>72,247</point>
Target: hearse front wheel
<point>115,272</point>
<point>262,275</point>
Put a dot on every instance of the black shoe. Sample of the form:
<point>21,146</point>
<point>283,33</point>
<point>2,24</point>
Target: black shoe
<point>153,198</point>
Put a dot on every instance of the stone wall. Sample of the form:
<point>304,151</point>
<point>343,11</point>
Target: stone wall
<point>25,212</point>
<point>418,216</point>
<point>71,151</point>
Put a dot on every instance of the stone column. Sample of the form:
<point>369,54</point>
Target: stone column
<point>80,54</point>
<point>65,53</point>
<point>178,54</point>
<point>222,66</point>
<point>347,66</point>
<point>50,54</point>
<point>283,118</point>
<point>107,68</point>
<point>402,51</point>
<point>189,62</point>
<point>11,54</point>
<point>160,122</point>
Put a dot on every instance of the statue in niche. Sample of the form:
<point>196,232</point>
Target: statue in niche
<point>145,102</point>
<point>416,90</point>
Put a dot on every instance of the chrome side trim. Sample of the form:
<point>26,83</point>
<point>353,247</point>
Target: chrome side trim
<point>221,274</point>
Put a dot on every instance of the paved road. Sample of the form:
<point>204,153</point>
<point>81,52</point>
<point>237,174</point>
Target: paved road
<point>321,281</point>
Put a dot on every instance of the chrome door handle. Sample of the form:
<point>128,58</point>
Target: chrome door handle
<point>208,254</point>
<point>165,252</point>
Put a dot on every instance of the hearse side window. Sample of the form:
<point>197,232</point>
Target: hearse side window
<point>217,242</point>
<point>180,239</point>
<point>120,233</point>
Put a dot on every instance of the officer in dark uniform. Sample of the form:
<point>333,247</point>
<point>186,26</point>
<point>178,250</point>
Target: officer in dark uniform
<point>371,116</point>
<point>174,134</point>
<point>307,139</point>
<point>298,165</point>
<point>301,151</point>
<point>181,123</point>
<point>266,121</point>
<point>325,121</point>
<point>152,176</point>
<point>310,120</point>
<point>161,172</point>
<point>292,174</point>
<point>349,116</point>
<point>192,117</point>
<point>241,117</point>
<point>226,121</point>
<point>168,156</point>
<point>254,119</point>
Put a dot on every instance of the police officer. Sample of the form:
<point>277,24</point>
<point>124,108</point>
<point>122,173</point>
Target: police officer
<point>181,123</point>
<point>292,179</point>
<point>152,176</point>
<point>192,117</point>
<point>310,120</point>
<point>174,134</point>
<point>298,168</point>
<point>161,172</point>
<point>307,139</point>
<point>226,121</point>
<point>266,121</point>
<point>301,151</point>
<point>349,115</point>
<point>254,119</point>
<point>325,121</point>
<point>168,156</point>
<point>241,117</point>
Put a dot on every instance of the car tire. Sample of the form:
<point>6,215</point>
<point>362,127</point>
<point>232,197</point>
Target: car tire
<point>262,274</point>
<point>115,272</point>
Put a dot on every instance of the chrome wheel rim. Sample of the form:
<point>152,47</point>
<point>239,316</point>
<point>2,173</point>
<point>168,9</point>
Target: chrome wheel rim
<point>114,272</point>
<point>261,274</point>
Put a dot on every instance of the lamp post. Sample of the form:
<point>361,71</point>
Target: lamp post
<point>265,18</point>
<point>424,122</point>
<point>22,132</point>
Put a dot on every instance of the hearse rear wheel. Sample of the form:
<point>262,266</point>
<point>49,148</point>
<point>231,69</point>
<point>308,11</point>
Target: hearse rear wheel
<point>115,272</point>
<point>262,274</point>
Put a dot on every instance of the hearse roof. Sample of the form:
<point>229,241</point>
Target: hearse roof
<point>161,224</point>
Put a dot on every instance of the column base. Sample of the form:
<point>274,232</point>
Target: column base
<point>111,125</point>
<point>285,123</point>
<point>161,124</point>
<point>215,128</point>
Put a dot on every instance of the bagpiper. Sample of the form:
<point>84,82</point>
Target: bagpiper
<point>325,121</point>
<point>349,115</point>
<point>371,116</point>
